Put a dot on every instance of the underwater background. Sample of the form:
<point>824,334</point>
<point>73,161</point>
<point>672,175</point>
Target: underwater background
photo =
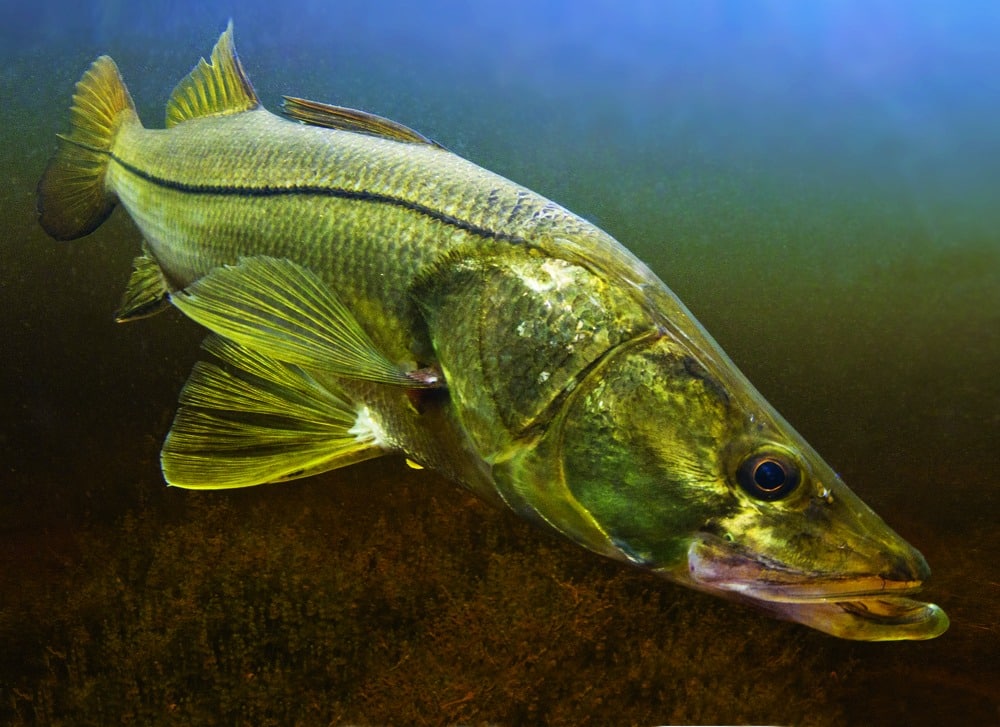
<point>819,182</point>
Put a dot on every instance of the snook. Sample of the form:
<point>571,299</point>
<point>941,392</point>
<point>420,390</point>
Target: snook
<point>371,293</point>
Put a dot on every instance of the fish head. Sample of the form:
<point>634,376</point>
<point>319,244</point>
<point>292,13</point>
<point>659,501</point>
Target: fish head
<point>665,456</point>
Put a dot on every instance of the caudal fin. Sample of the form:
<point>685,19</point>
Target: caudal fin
<point>72,198</point>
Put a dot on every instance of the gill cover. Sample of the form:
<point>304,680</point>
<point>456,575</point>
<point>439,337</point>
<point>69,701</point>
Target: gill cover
<point>513,336</point>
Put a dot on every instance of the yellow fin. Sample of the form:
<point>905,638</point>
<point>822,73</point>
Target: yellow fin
<point>72,198</point>
<point>286,311</point>
<point>248,419</point>
<point>147,292</point>
<point>345,119</point>
<point>213,88</point>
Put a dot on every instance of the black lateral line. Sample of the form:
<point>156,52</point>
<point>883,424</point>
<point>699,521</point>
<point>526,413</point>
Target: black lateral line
<point>319,191</point>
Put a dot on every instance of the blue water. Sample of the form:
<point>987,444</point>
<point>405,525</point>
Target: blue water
<point>819,182</point>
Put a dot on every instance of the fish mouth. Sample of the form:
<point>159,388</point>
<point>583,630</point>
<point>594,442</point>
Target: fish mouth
<point>863,607</point>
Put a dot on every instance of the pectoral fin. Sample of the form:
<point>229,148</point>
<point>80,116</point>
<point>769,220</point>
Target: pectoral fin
<point>248,419</point>
<point>286,312</point>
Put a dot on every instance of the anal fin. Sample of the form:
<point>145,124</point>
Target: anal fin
<point>248,419</point>
<point>147,292</point>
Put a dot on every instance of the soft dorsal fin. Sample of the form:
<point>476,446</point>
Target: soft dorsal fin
<point>345,119</point>
<point>217,87</point>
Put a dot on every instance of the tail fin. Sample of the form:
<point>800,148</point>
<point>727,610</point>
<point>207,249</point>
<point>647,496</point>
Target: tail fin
<point>72,198</point>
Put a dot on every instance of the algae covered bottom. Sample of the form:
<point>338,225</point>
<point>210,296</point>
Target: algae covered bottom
<point>370,293</point>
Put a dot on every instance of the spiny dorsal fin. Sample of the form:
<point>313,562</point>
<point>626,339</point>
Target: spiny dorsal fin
<point>218,87</point>
<point>345,119</point>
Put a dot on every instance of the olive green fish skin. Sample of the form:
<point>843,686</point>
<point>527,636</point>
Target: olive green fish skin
<point>422,209</point>
<point>418,203</point>
<point>370,251</point>
<point>579,390</point>
<point>211,191</point>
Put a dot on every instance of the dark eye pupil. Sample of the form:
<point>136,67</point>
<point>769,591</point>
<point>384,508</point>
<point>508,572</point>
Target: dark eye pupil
<point>769,475</point>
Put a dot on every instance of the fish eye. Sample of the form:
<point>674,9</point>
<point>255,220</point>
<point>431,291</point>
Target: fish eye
<point>768,476</point>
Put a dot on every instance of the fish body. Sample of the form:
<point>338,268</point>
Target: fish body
<point>368,292</point>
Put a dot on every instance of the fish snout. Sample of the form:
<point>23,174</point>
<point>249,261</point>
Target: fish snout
<point>909,566</point>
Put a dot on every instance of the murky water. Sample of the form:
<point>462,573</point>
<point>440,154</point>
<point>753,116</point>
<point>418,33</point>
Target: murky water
<point>819,186</point>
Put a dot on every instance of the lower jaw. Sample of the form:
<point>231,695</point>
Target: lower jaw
<point>867,618</point>
<point>864,609</point>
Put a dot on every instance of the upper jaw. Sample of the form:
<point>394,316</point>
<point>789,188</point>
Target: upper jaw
<point>868,607</point>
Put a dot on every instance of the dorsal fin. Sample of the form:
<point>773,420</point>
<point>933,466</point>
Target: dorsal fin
<point>218,87</point>
<point>345,119</point>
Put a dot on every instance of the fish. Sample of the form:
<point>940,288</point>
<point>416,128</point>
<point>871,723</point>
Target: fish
<point>367,292</point>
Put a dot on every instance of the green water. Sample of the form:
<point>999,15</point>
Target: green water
<point>850,266</point>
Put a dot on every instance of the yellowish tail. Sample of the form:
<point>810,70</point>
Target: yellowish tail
<point>72,198</point>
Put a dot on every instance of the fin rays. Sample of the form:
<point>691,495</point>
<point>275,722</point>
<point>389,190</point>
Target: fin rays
<point>250,419</point>
<point>220,86</point>
<point>287,312</point>
<point>147,292</point>
<point>72,198</point>
<point>345,119</point>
